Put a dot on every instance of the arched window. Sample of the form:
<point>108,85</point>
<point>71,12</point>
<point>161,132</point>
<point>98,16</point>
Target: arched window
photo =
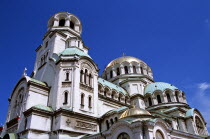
<point>105,93</point>
<point>177,96</point>
<point>134,69</point>
<point>123,136</point>
<point>119,98</point>
<point>142,72</point>
<point>168,97</point>
<point>62,22</point>
<point>159,99</point>
<point>90,102</point>
<point>65,98</point>
<point>150,101</point>
<point>199,126</point>
<point>67,76</point>
<point>112,95</point>
<point>86,74</point>
<point>111,75</point>
<point>115,119</point>
<point>107,124</point>
<point>159,135</point>
<point>125,100</point>
<point>82,100</point>
<point>81,76</point>
<point>118,71</point>
<point>112,122</point>
<point>126,69</point>
<point>90,80</point>
<point>71,24</point>
<point>26,122</point>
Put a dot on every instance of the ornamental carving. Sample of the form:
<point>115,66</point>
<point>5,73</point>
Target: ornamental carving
<point>66,84</point>
<point>87,126</point>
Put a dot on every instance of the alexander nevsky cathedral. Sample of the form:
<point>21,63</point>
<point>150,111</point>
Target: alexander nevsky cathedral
<point>66,98</point>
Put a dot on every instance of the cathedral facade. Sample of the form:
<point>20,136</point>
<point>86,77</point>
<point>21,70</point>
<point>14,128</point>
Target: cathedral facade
<point>66,98</point>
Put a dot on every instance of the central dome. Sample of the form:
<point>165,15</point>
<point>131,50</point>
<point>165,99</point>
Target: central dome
<point>135,111</point>
<point>120,60</point>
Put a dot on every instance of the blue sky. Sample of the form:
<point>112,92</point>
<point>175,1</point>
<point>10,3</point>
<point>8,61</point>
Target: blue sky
<point>172,37</point>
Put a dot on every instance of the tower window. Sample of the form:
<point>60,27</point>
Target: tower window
<point>112,121</point>
<point>126,69</point>
<point>67,76</point>
<point>82,100</point>
<point>118,71</point>
<point>26,121</point>
<point>116,119</point>
<point>134,69</point>
<point>81,76</point>
<point>177,98</point>
<point>150,101</point>
<point>86,74</point>
<point>168,97</point>
<point>142,70</point>
<point>111,75</point>
<point>65,98</point>
<point>71,24</point>
<point>90,102</point>
<point>107,124</point>
<point>62,22</point>
<point>159,99</point>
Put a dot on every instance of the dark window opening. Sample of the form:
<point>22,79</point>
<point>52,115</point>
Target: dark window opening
<point>81,74</point>
<point>107,124</point>
<point>82,99</point>
<point>159,99</point>
<point>85,78</point>
<point>62,22</point>
<point>112,96</point>
<point>168,97</point>
<point>142,70</point>
<point>118,71</point>
<point>67,76</point>
<point>115,119</point>
<point>71,24</point>
<point>26,122</point>
<point>134,69</point>
<point>89,102</point>
<point>150,101</point>
<point>112,122</point>
<point>126,69</point>
<point>105,93</point>
<point>65,98</point>
<point>177,97</point>
<point>46,43</point>
<point>111,75</point>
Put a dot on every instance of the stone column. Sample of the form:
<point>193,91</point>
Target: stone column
<point>122,71</point>
<point>130,68</point>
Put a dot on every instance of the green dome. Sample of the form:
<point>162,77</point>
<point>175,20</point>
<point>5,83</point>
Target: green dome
<point>74,51</point>
<point>150,88</point>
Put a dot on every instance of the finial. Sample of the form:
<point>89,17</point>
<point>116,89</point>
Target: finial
<point>24,72</point>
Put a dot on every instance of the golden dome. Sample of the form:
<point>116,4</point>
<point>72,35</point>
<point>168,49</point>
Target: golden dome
<point>135,111</point>
<point>120,60</point>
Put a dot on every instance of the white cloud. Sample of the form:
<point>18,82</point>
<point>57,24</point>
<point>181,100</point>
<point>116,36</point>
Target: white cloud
<point>203,87</point>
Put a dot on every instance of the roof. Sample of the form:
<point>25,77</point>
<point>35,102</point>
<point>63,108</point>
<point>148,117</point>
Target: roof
<point>117,110</point>
<point>74,51</point>
<point>122,59</point>
<point>112,86</point>
<point>42,107</point>
<point>190,112</point>
<point>150,88</point>
<point>37,81</point>
<point>135,111</point>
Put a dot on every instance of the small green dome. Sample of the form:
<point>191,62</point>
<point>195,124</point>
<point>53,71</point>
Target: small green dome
<point>150,88</point>
<point>74,51</point>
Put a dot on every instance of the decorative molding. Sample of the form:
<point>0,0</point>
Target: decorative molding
<point>87,126</point>
<point>86,87</point>
<point>66,84</point>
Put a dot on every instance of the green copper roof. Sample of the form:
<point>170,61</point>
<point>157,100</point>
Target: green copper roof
<point>190,112</point>
<point>37,81</point>
<point>42,107</point>
<point>74,51</point>
<point>112,86</point>
<point>118,109</point>
<point>150,88</point>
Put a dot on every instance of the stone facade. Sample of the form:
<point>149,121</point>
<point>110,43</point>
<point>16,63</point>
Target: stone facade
<point>66,98</point>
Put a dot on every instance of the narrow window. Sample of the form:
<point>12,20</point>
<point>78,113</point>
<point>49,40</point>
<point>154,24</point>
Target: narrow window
<point>85,78</point>
<point>118,71</point>
<point>150,101</point>
<point>62,22</point>
<point>105,93</point>
<point>119,98</point>
<point>115,119</point>
<point>67,76</point>
<point>142,70</point>
<point>65,98</point>
<point>90,78</point>
<point>111,75</point>
<point>82,99</point>
<point>125,100</point>
<point>71,24</point>
<point>112,122</point>
<point>107,124</point>
<point>177,97</point>
<point>134,69</point>
<point>168,97</point>
<point>46,43</point>
<point>112,95</point>
<point>81,76</point>
<point>126,69</point>
<point>26,122</point>
<point>90,102</point>
<point>159,99</point>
